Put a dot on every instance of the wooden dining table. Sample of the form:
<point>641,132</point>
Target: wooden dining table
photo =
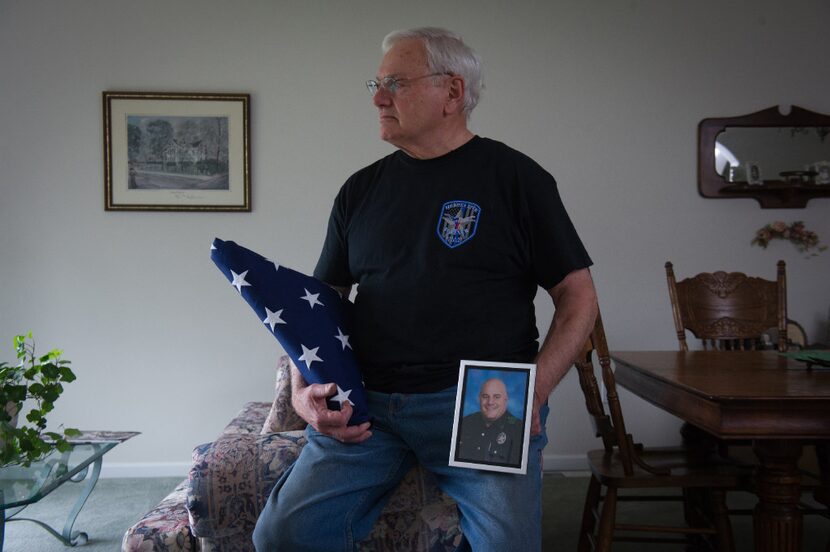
<point>777,402</point>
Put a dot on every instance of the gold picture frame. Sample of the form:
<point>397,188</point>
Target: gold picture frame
<point>172,151</point>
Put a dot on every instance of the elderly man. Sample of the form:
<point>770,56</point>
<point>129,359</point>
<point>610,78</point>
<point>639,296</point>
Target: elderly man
<point>447,239</point>
<point>492,434</point>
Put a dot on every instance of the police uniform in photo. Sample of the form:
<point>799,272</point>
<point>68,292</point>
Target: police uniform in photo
<point>499,441</point>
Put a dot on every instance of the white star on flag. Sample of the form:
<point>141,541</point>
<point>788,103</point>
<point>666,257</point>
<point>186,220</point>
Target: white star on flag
<point>239,280</point>
<point>312,298</point>
<point>342,396</point>
<point>273,318</point>
<point>309,356</point>
<point>343,339</point>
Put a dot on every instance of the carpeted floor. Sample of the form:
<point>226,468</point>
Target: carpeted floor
<point>563,498</point>
<point>116,504</point>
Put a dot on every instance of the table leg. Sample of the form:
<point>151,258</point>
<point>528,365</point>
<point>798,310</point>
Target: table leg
<point>77,538</point>
<point>777,519</point>
<point>69,537</point>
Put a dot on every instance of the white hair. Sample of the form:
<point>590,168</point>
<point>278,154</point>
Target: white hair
<point>446,53</point>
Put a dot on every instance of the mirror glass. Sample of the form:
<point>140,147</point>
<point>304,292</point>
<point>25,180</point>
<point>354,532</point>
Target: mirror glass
<point>752,155</point>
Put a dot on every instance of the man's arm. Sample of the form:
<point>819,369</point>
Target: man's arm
<point>575,302</point>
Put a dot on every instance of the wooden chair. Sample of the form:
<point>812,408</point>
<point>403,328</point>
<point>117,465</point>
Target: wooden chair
<point>729,310</point>
<point>622,466</point>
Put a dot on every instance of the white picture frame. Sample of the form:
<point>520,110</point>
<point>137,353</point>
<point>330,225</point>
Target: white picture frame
<point>506,434</point>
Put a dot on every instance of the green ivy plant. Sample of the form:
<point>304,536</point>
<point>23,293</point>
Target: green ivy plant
<point>39,379</point>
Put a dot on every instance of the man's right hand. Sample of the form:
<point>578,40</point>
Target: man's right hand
<point>310,403</point>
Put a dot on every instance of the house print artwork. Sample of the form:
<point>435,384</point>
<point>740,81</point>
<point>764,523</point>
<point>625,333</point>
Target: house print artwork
<point>177,153</point>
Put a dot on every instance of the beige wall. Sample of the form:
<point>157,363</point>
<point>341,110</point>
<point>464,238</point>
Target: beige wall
<point>605,94</point>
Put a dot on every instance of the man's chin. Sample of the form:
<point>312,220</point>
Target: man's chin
<point>389,137</point>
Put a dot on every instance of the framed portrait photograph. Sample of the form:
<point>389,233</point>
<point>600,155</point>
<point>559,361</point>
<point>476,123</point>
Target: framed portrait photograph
<point>493,411</point>
<point>166,151</point>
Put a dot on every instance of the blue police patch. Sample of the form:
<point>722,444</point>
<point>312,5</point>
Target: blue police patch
<point>457,222</point>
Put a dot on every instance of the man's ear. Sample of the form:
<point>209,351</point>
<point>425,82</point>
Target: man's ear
<point>455,96</point>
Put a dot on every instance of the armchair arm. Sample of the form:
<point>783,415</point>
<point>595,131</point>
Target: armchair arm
<point>232,477</point>
<point>282,416</point>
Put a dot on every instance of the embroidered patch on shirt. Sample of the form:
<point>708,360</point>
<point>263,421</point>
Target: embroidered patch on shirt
<point>457,222</point>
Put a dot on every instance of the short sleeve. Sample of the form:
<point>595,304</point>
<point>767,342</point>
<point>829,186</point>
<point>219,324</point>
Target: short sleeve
<point>333,264</point>
<point>555,247</point>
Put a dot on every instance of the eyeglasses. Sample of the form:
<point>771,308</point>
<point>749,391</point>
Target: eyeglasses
<point>391,84</point>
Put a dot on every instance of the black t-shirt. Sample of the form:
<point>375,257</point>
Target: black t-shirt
<point>447,254</point>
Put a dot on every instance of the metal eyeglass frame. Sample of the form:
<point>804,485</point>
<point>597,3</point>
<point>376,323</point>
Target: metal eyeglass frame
<point>391,84</point>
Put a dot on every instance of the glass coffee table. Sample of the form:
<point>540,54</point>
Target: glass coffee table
<point>20,487</point>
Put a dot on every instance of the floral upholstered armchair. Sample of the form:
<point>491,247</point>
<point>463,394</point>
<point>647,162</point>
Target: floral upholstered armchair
<point>216,507</point>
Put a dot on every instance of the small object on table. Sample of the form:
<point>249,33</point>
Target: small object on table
<point>798,177</point>
<point>811,357</point>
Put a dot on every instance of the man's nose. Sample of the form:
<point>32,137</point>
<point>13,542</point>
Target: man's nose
<point>382,97</point>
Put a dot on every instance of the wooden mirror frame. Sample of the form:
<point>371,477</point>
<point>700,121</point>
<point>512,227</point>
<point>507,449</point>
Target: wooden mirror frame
<point>774,194</point>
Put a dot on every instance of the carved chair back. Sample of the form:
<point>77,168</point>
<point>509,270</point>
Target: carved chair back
<point>729,310</point>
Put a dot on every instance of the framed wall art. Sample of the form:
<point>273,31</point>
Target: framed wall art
<point>166,151</point>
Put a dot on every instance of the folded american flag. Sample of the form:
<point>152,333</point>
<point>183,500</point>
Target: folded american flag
<point>309,319</point>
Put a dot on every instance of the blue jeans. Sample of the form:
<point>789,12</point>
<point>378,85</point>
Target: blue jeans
<point>331,497</point>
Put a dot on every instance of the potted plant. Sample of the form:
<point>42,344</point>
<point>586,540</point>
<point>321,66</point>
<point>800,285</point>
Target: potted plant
<point>38,380</point>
